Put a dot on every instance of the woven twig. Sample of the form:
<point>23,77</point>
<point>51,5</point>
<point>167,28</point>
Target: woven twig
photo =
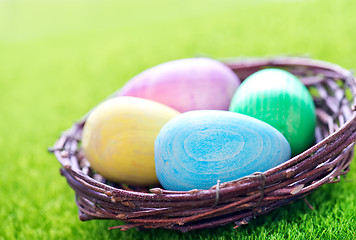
<point>334,91</point>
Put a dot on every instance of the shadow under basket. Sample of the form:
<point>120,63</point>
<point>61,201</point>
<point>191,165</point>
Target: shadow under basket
<point>333,89</point>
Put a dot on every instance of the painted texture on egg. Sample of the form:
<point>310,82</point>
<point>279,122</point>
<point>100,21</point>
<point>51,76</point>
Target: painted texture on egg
<point>186,84</point>
<point>280,99</point>
<point>118,138</point>
<point>197,148</point>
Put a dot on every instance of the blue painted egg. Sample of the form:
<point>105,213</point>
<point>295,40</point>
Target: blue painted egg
<point>197,148</point>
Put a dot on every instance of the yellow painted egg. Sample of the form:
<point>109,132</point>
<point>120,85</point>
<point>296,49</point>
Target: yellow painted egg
<point>118,138</point>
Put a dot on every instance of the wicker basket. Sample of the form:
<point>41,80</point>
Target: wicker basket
<point>333,89</point>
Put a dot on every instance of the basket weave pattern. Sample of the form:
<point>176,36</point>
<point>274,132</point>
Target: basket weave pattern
<point>334,91</point>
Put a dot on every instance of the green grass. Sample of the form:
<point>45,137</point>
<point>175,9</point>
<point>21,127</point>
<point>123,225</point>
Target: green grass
<point>60,58</point>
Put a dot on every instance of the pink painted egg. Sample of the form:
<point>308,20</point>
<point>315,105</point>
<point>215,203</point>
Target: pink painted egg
<point>186,84</point>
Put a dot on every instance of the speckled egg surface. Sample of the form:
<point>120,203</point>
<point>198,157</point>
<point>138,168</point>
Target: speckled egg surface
<point>196,149</point>
<point>118,138</point>
<point>186,84</point>
<point>280,99</point>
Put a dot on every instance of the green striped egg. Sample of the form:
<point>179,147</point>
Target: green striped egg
<point>280,99</point>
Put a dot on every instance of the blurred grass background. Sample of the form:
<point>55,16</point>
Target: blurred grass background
<point>60,58</point>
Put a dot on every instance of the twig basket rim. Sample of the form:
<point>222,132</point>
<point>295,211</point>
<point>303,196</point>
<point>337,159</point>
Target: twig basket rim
<point>236,201</point>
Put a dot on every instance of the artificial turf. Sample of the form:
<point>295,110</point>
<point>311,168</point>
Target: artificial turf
<point>60,58</point>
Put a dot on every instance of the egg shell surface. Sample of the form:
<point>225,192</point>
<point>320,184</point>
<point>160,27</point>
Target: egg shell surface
<point>196,149</point>
<point>118,138</point>
<point>186,84</point>
<point>280,99</point>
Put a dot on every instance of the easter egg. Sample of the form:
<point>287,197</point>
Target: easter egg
<point>280,99</point>
<point>118,138</point>
<point>196,149</point>
<point>186,84</point>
